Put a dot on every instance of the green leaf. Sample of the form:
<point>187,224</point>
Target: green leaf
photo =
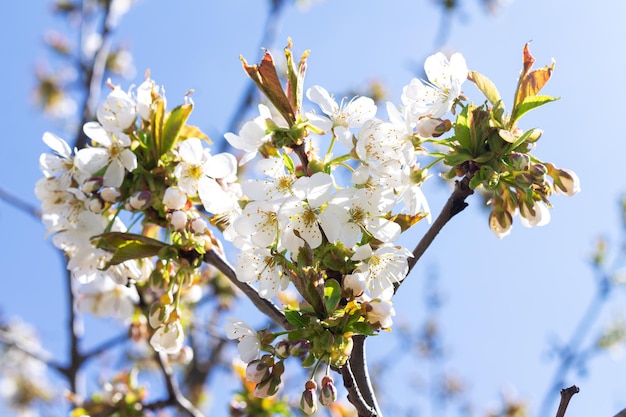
<point>332,295</point>
<point>486,86</point>
<point>457,158</point>
<point>361,327</point>
<point>296,319</point>
<point>529,103</point>
<point>462,129</point>
<point>156,126</point>
<point>174,123</point>
<point>127,246</point>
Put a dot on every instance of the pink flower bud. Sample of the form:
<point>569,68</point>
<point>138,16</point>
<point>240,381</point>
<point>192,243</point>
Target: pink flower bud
<point>308,402</point>
<point>257,371</point>
<point>328,392</point>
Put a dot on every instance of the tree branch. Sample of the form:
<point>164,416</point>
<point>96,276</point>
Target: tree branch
<point>358,366</point>
<point>354,395</point>
<point>94,73</point>
<point>455,204</point>
<point>20,204</point>
<point>566,396</point>
<point>265,306</point>
<point>175,395</point>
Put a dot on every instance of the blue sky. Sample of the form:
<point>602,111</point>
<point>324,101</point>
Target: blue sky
<point>505,299</point>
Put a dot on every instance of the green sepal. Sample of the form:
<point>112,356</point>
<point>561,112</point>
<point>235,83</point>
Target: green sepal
<point>309,361</point>
<point>156,126</point>
<point>291,167</point>
<point>332,295</point>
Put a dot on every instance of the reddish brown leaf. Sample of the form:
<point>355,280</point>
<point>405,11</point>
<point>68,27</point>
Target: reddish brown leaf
<point>266,78</point>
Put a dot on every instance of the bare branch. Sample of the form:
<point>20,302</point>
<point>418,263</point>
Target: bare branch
<point>566,396</point>
<point>175,395</point>
<point>39,354</point>
<point>19,204</point>
<point>265,306</point>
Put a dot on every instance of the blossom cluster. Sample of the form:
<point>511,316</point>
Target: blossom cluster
<point>138,210</point>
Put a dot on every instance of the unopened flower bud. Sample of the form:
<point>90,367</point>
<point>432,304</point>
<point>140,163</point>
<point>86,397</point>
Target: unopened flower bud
<point>534,135</point>
<point>500,222</point>
<point>140,199</point>
<point>110,194</point>
<point>537,215</point>
<point>565,181</point>
<point>268,387</point>
<point>300,348</point>
<point>282,349</point>
<point>174,198</point>
<point>199,226</point>
<point>95,205</point>
<point>328,391</point>
<point>519,161</point>
<point>308,402</point>
<point>91,185</point>
<point>379,312</point>
<point>178,219</point>
<point>434,128</point>
<point>257,371</point>
<point>524,180</point>
<point>354,284</point>
<point>538,172</point>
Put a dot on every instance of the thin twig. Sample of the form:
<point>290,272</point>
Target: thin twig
<point>264,306</point>
<point>175,395</point>
<point>39,354</point>
<point>566,396</point>
<point>19,204</point>
<point>94,73</point>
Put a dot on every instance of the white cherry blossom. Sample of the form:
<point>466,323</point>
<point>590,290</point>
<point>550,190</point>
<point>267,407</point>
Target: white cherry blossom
<point>198,174</point>
<point>106,298</point>
<point>340,118</point>
<point>382,268</point>
<point>113,153</point>
<point>168,338</point>
<point>260,264</point>
<point>434,98</point>
<point>249,347</point>
<point>118,112</point>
